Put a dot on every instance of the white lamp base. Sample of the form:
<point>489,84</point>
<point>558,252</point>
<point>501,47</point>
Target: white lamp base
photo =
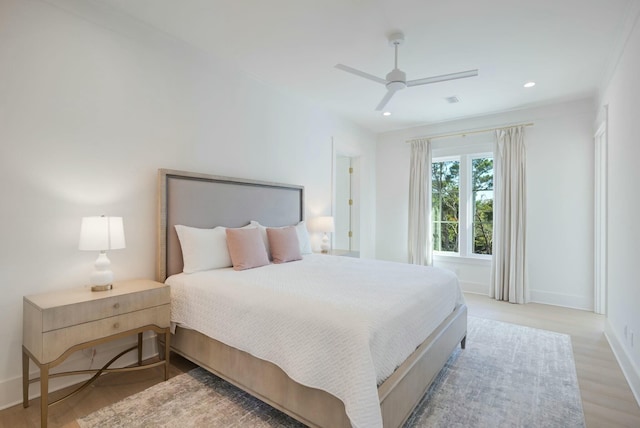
<point>325,244</point>
<point>101,278</point>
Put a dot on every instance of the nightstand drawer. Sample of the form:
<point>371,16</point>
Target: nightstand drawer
<point>68,315</point>
<point>56,342</point>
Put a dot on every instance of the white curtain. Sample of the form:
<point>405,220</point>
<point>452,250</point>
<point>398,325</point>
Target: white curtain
<point>508,269</point>
<point>420,245</point>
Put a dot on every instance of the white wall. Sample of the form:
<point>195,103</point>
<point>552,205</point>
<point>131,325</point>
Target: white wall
<point>622,95</point>
<point>559,199</point>
<point>92,103</point>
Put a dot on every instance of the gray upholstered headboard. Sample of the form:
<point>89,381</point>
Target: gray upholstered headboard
<point>206,201</point>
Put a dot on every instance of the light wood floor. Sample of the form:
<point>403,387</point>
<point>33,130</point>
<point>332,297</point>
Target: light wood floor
<point>606,397</point>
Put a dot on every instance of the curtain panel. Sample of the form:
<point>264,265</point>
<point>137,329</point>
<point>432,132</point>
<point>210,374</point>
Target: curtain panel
<point>420,239</point>
<point>508,268</point>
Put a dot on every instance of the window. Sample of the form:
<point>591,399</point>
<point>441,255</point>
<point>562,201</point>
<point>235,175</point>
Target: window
<point>462,204</point>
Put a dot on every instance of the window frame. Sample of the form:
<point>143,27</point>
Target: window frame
<point>465,214</point>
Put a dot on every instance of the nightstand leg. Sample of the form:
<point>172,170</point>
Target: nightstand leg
<point>25,379</point>
<point>167,350</point>
<point>44,395</point>
<point>139,349</point>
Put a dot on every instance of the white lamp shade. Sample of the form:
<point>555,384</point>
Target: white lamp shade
<point>101,233</point>
<point>322,224</point>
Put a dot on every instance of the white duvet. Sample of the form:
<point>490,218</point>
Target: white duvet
<point>338,324</point>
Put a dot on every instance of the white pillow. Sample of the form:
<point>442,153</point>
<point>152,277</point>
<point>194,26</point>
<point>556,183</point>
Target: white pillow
<point>301,230</point>
<point>303,238</point>
<point>203,249</point>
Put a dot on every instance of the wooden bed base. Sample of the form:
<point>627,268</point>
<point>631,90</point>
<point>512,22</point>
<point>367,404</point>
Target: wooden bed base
<point>399,394</point>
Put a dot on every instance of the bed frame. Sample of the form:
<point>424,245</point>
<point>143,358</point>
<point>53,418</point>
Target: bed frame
<point>202,200</point>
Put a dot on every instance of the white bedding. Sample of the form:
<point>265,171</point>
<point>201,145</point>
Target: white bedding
<point>338,324</point>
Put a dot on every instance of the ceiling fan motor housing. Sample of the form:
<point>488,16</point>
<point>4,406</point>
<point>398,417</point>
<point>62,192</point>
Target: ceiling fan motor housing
<point>397,80</point>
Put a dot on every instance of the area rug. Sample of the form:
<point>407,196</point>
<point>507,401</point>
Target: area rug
<point>508,376</point>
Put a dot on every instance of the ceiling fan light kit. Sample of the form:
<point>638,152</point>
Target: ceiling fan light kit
<point>396,79</point>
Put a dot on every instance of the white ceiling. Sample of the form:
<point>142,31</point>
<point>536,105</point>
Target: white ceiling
<point>563,45</point>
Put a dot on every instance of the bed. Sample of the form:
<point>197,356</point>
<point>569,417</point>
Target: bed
<point>207,201</point>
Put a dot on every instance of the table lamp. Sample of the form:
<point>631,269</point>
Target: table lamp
<point>101,234</point>
<point>324,224</point>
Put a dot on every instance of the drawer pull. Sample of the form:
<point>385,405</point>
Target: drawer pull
<point>116,325</point>
<point>116,306</point>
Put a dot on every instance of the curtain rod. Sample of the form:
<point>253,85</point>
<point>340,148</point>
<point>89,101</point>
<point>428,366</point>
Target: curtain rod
<point>475,131</point>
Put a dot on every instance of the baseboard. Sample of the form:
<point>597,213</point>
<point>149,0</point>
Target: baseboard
<point>554,299</point>
<point>559,299</point>
<point>629,369</point>
<point>474,287</point>
<point>11,389</point>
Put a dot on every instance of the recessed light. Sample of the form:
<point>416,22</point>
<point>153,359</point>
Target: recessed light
<point>386,113</point>
<point>453,99</point>
<point>530,84</point>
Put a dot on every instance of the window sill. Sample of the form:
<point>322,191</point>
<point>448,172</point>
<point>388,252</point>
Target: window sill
<point>468,260</point>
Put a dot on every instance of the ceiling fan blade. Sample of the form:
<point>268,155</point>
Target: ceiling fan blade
<point>443,78</point>
<point>385,100</point>
<point>360,73</point>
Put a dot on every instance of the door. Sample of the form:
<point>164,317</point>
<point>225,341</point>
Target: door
<point>346,208</point>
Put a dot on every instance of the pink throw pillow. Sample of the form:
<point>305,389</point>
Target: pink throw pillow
<point>246,248</point>
<point>284,244</point>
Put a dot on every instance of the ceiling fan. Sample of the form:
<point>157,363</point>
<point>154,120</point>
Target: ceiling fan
<point>397,79</point>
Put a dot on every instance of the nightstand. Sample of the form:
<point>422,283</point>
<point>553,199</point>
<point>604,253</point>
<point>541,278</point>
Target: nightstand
<point>344,253</point>
<point>57,324</point>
